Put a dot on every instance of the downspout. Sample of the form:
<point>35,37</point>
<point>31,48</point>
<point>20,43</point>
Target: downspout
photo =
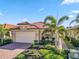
<point>39,34</point>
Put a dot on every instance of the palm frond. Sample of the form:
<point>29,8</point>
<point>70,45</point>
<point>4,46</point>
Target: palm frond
<point>75,20</point>
<point>61,35</point>
<point>46,30</point>
<point>46,24</point>
<point>61,31</point>
<point>62,19</point>
<point>50,18</point>
<point>61,28</point>
<point>72,22</point>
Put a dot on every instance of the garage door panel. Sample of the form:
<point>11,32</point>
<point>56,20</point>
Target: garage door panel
<point>26,37</point>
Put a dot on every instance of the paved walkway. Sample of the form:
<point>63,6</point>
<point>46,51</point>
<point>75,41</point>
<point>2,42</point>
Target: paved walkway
<point>11,50</point>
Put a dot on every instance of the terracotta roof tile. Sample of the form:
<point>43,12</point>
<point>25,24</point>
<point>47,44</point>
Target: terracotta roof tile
<point>23,23</point>
<point>39,25</point>
<point>9,26</point>
<point>35,25</point>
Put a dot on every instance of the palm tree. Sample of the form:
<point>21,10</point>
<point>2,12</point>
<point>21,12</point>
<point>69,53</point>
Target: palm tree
<point>3,31</point>
<point>75,20</point>
<point>56,28</point>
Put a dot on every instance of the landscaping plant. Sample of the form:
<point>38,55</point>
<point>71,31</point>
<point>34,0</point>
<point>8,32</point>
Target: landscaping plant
<point>55,28</point>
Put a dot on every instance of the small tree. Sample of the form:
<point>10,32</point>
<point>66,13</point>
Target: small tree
<point>55,28</point>
<point>76,20</point>
<point>3,31</point>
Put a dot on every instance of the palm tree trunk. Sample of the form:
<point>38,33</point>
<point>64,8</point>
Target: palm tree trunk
<point>58,42</point>
<point>56,38</point>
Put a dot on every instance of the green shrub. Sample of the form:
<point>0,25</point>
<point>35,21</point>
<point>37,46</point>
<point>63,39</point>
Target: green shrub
<point>44,51</point>
<point>69,44</point>
<point>57,57</point>
<point>67,38</point>
<point>5,41</point>
<point>50,47</point>
<point>34,46</point>
<point>36,42</point>
<point>44,42</point>
<point>0,42</point>
<point>50,54</point>
<point>75,42</point>
<point>21,56</point>
<point>64,53</point>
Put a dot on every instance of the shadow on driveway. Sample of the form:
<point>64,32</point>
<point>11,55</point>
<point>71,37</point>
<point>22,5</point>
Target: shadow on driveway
<point>16,45</point>
<point>10,51</point>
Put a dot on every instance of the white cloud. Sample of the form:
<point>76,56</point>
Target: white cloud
<point>24,19</point>
<point>1,14</point>
<point>41,9</point>
<point>75,11</point>
<point>70,1</point>
<point>71,16</point>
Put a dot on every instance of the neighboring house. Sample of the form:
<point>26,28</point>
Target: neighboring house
<point>28,32</point>
<point>9,26</point>
<point>73,31</point>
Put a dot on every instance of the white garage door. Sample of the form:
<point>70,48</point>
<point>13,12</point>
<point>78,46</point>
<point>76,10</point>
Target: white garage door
<point>26,37</point>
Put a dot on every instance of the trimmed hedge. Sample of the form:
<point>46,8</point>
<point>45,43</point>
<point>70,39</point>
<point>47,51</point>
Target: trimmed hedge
<point>72,42</point>
<point>44,42</point>
<point>75,42</point>
<point>5,41</point>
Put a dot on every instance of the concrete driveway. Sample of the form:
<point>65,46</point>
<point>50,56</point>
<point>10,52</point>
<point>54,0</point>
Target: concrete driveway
<point>11,50</point>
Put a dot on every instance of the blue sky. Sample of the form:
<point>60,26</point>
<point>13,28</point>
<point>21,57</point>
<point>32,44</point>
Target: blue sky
<point>14,11</point>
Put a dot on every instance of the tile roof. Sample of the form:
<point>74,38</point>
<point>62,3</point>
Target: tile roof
<point>23,23</point>
<point>9,26</point>
<point>39,24</point>
<point>36,25</point>
<point>28,27</point>
<point>73,27</point>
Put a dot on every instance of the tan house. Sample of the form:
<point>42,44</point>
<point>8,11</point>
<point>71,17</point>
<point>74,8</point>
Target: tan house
<point>9,26</point>
<point>73,31</point>
<point>28,32</point>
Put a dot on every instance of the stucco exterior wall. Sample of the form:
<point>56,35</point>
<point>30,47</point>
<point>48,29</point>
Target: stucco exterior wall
<point>73,33</point>
<point>38,33</point>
